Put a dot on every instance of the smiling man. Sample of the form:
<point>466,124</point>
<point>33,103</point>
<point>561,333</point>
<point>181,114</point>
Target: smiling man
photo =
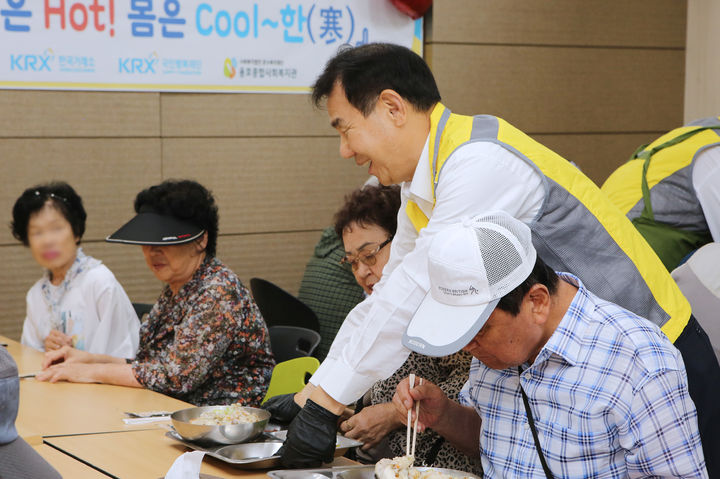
<point>384,102</point>
<point>564,384</point>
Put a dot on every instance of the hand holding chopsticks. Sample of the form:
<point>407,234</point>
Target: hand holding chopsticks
<point>410,451</point>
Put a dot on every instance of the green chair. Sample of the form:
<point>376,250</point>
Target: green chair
<point>289,376</point>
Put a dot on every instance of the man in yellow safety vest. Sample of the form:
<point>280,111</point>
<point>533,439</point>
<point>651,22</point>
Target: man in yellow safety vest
<point>383,101</point>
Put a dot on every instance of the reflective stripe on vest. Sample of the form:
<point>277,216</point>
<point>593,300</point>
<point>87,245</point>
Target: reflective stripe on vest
<point>655,190</point>
<point>577,229</point>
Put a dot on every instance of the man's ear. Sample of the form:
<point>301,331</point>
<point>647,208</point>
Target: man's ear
<point>393,105</point>
<point>472,344</point>
<point>539,297</point>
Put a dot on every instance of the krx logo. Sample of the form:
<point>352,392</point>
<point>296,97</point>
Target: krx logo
<point>26,63</point>
<point>138,65</point>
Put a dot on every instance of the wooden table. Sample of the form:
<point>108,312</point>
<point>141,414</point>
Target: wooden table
<point>67,466</point>
<point>28,359</point>
<point>51,409</point>
<point>146,454</point>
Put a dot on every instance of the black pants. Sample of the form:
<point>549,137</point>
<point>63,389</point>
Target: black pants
<point>703,374</point>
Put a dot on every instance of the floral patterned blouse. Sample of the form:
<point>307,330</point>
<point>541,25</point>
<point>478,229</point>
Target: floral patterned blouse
<point>448,372</point>
<point>207,344</point>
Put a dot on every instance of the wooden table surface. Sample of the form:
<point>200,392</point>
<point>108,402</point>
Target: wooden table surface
<point>51,409</point>
<point>28,359</point>
<point>67,466</point>
<point>146,454</point>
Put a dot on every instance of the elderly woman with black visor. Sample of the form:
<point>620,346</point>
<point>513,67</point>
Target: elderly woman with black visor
<point>204,340</point>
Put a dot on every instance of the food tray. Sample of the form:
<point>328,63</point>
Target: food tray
<point>352,472</point>
<point>255,455</point>
<point>343,443</point>
<point>250,455</point>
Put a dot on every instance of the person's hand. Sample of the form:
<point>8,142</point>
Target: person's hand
<point>372,424</point>
<point>72,372</point>
<point>346,414</point>
<point>433,402</point>
<point>66,354</point>
<point>311,438</point>
<point>282,408</point>
<point>56,340</point>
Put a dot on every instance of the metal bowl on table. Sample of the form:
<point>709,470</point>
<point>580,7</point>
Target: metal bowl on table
<point>228,434</point>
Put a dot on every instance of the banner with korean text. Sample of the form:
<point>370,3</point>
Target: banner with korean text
<point>187,45</point>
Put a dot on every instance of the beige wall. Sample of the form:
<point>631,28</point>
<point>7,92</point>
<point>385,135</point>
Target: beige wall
<point>702,66</point>
<point>587,78</point>
<point>592,79</point>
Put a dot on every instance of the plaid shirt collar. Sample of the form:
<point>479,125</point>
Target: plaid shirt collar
<point>566,340</point>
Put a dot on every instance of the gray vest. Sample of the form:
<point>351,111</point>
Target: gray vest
<point>673,199</point>
<point>568,232</point>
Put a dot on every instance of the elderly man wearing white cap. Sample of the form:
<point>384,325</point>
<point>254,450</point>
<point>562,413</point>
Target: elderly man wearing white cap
<point>563,383</point>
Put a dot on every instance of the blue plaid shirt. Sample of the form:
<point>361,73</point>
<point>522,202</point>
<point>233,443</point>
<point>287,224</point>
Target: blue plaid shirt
<point>609,396</point>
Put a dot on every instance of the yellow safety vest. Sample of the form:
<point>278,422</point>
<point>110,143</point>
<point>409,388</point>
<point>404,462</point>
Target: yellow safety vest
<point>655,190</point>
<point>577,229</point>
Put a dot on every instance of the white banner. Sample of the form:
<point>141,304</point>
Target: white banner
<point>187,45</point>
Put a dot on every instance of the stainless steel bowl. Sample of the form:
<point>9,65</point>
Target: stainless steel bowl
<point>233,434</point>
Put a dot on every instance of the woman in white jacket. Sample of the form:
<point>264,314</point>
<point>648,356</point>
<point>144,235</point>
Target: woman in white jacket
<point>78,302</point>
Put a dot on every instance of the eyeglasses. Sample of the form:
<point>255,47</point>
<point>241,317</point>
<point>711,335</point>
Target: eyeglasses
<point>368,258</point>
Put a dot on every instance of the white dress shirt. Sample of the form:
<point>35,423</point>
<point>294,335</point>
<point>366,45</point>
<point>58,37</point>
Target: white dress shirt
<point>100,315</point>
<point>706,181</point>
<point>478,177</point>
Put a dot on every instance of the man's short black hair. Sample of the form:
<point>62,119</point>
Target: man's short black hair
<point>57,193</point>
<point>542,274</point>
<point>370,205</point>
<point>365,71</point>
<point>186,200</point>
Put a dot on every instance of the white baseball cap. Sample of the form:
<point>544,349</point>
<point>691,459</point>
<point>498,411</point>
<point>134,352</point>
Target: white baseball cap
<point>472,265</point>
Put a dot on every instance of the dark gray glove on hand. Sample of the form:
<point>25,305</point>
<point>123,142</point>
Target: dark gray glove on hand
<point>282,408</point>
<point>311,438</point>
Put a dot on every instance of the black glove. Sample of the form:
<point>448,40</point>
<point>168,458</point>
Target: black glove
<point>282,408</point>
<point>311,438</point>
